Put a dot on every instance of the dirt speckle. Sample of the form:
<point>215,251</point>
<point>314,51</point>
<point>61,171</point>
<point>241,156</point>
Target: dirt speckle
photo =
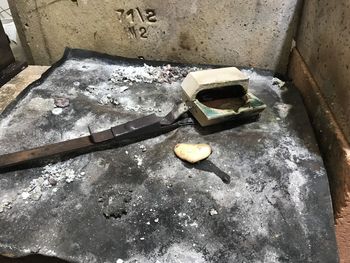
<point>186,41</point>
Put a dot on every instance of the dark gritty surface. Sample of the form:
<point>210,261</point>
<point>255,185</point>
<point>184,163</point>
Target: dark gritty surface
<point>139,203</point>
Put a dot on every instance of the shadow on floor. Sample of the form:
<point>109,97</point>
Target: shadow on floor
<point>32,259</point>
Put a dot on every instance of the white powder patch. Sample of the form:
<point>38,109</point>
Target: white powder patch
<point>267,128</point>
<point>117,91</point>
<point>149,74</point>
<point>296,182</point>
<point>4,124</point>
<point>139,160</point>
<point>51,179</point>
<point>177,253</point>
<point>263,80</point>
<point>294,153</point>
<point>256,200</point>
<point>57,111</point>
<point>101,123</point>
<point>80,127</point>
<point>250,202</point>
<point>283,109</point>
<point>11,130</point>
<point>107,94</point>
<point>54,176</point>
<point>84,121</point>
<point>271,256</point>
<point>95,168</point>
<point>166,174</point>
<point>237,193</point>
<point>130,103</point>
<point>40,104</point>
<point>104,93</point>
<point>88,64</point>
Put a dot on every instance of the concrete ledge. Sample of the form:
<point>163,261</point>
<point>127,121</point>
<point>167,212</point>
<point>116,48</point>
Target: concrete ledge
<point>333,145</point>
<point>15,86</point>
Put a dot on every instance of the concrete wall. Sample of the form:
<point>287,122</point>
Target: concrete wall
<point>237,32</point>
<point>323,43</point>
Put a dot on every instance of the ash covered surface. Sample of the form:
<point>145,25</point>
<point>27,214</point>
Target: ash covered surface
<point>139,203</point>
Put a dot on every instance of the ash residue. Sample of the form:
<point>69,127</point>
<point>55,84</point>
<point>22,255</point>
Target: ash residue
<point>51,178</point>
<point>105,94</point>
<point>5,205</point>
<point>53,174</point>
<point>176,253</point>
<point>150,74</point>
<point>123,82</point>
<point>268,212</point>
<point>116,203</point>
<point>278,82</point>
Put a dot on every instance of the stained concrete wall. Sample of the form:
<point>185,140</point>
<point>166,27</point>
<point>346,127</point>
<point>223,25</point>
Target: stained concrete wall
<point>324,43</point>
<point>237,32</point>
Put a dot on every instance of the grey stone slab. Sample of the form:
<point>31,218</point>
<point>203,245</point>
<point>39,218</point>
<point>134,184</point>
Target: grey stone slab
<point>138,202</point>
<point>242,33</point>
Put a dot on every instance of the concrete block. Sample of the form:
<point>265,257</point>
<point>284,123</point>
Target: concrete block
<point>333,145</point>
<point>323,42</point>
<point>246,33</point>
